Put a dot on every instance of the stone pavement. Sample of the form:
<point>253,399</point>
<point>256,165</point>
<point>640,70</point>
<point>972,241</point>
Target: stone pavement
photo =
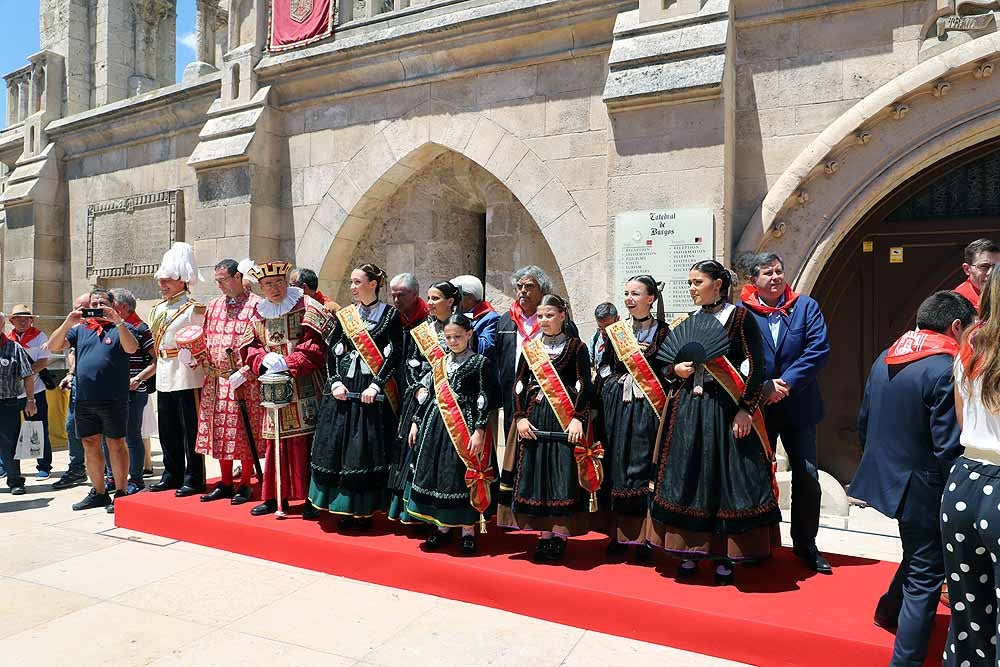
<point>81,592</point>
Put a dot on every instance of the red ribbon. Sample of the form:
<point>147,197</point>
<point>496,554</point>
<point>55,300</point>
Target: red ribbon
<point>479,482</point>
<point>588,465</point>
<point>750,296</point>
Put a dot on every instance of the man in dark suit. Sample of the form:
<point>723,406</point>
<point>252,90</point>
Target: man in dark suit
<point>795,350</point>
<point>910,437</point>
<point>518,324</point>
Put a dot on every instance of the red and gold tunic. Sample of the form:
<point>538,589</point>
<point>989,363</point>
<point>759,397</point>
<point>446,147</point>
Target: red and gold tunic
<point>299,335</point>
<point>221,433</point>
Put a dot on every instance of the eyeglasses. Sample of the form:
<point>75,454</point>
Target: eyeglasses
<point>984,266</point>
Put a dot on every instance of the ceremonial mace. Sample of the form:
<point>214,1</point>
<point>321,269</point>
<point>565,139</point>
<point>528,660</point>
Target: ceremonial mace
<point>276,392</point>
<point>247,426</point>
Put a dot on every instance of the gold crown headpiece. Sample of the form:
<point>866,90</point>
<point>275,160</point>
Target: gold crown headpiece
<point>269,270</point>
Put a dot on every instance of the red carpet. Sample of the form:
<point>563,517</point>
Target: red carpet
<point>778,613</point>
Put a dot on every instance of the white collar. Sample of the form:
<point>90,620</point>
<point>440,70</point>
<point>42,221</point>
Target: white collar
<point>271,310</point>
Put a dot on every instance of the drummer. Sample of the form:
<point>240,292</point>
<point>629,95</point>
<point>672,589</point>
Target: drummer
<point>287,334</point>
<point>228,401</point>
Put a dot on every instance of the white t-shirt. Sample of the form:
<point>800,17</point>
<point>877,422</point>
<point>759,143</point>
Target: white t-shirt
<point>980,427</point>
<point>36,352</point>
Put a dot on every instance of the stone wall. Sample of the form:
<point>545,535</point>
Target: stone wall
<point>798,71</point>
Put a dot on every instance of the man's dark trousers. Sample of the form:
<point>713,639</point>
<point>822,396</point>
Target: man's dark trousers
<point>800,445</point>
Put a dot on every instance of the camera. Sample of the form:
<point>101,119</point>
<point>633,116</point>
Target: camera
<point>93,312</point>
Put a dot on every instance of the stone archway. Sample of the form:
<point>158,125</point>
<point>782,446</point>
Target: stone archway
<point>936,109</point>
<point>406,146</point>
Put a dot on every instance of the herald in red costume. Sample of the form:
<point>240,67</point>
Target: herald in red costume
<point>291,336</point>
<point>221,433</point>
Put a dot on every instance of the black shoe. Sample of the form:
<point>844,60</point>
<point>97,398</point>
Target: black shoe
<point>266,507</point>
<point>556,549</point>
<point>162,486</point>
<point>243,495</point>
<point>147,473</point>
<point>885,622</point>
<point>615,549</point>
<point>814,560</point>
<point>68,480</point>
<point>542,551</point>
<point>436,540</point>
<point>687,569</point>
<point>363,523</point>
<point>110,509</point>
<point>218,493</point>
<point>467,547</point>
<point>92,500</point>
<point>346,523</point>
<point>17,491</point>
<point>309,512</point>
<point>724,574</point>
<point>186,491</point>
<point>643,554</point>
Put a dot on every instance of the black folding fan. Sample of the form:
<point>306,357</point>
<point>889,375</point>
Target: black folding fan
<point>697,339</point>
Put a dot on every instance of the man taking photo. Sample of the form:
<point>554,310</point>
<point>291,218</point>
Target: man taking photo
<point>103,344</point>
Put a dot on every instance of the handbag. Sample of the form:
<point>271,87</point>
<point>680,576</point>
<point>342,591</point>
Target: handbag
<point>31,441</point>
<point>45,375</point>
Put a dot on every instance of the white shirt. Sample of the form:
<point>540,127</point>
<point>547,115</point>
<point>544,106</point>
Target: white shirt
<point>37,353</point>
<point>529,324</point>
<point>980,427</point>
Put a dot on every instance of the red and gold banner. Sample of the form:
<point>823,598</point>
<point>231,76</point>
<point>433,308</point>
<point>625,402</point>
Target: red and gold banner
<point>300,22</point>
<point>628,350</point>
<point>726,375</point>
<point>357,332</point>
<point>478,473</point>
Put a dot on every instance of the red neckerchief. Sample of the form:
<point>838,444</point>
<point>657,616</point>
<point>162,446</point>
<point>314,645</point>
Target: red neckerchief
<point>517,314</point>
<point>133,319</point>
<point>481,309</point>
<point>751,299</point>
<point>31,334</point>
<point>914,345</point>
<point>319,296</point>
<point>420,313</point>
<point>93,324</point>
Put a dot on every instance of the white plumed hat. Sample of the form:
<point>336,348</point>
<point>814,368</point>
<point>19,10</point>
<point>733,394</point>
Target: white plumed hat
<point>178,263</point>
<point>244,267</point>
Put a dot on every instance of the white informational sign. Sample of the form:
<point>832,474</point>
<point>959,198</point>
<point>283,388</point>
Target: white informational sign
<point>663,243</point>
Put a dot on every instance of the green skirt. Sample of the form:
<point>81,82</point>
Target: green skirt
<point>358,504</point>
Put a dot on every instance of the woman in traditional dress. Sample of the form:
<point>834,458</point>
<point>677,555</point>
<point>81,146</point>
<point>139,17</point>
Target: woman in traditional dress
<point>714,492</point>
<point>443,299</point>
<point>357,418</point>
<point>553,394</point>
<point>453,469</point>
<point>633,396</point>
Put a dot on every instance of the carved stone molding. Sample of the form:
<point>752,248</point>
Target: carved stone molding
<point>127,237</point>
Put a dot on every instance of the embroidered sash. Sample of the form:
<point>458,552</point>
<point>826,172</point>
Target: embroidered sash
<point>478,474</point>
<point>628,350</point>
<point>357,332</point>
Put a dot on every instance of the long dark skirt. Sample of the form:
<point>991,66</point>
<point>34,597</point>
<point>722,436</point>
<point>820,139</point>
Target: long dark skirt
<point>630,429</point>
<point>547,493</point>
<point>401,459</point>
<point>437,493</point>
<point>349,457</point>
<point>714,493</point>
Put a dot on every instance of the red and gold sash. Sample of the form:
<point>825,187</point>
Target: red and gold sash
<point>730,379</point>
<point>628,350</point>
<point>478,473</point>
<point>587,454</point>
<point>357,332</point>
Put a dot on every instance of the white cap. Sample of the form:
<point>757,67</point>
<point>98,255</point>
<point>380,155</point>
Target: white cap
<point>470,285</point>
<point>178,263</point>
<point>244,267</point>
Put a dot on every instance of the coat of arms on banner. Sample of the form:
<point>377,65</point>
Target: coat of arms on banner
<point>300,10</point>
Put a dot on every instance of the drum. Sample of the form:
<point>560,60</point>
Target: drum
<point>276,390</point>
<point>193,338</point>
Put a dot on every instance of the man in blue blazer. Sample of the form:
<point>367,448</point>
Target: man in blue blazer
<point>910,437</point>
<point>795,350</point>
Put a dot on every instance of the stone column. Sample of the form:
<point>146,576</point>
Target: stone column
<point>12,102</point>
<point>24,94</point>
<point>205,26</point>
<point>148,15</point>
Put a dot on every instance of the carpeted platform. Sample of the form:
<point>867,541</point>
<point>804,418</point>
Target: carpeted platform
<point>777,614</point>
